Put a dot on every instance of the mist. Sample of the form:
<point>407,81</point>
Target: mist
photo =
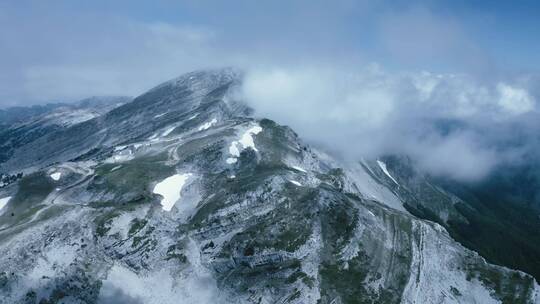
<point>451,125</point>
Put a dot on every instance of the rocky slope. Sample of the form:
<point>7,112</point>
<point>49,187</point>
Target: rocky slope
<point>180,196</point>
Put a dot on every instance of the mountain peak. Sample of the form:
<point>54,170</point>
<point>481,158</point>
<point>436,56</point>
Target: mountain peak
<point>203,79</point>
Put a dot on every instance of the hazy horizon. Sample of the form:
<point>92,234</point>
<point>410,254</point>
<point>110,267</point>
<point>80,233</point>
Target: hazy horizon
<point>68,50</point>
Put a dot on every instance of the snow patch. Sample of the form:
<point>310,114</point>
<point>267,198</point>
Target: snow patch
<point>295,182</point>
<point>56,175</point>
<point>170,188</point>
<point>233,149</point>
<point>168,131</point>
<point>3,202</point>
<point>245,141</point>
<point>247,138</point>
<point>208,124</point>
<point>299,169</point>
<point>385,170</point>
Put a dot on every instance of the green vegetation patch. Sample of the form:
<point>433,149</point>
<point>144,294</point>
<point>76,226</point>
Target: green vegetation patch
<point>33,189</point>
<point>134,177</point>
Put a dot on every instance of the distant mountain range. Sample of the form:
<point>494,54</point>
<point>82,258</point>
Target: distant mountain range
<point>97,104</point>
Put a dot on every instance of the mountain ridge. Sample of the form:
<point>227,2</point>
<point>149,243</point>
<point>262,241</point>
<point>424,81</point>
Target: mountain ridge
<point>261,217</point>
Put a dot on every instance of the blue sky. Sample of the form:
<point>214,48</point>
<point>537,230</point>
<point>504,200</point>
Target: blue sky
<point>64,50</point>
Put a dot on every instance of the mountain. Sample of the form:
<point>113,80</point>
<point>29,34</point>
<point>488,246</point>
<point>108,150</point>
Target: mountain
<point>182,196</point>
<point>14,114</point>
<point>20,126</point>
<point>81,110</point>
<point>487,217</point>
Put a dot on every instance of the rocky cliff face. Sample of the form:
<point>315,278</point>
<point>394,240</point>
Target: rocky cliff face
<point>181,197</point>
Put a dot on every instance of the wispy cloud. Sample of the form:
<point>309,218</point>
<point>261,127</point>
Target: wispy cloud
<point>450,124</point>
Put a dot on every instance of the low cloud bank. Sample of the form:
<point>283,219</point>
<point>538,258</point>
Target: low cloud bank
<point>451,125</point>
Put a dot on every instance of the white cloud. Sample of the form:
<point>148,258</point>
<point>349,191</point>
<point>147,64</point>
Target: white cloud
<point>515,100</point>
<point>336,94</point>
<point>444,121</point>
